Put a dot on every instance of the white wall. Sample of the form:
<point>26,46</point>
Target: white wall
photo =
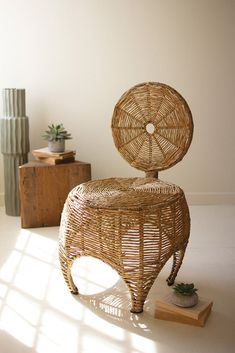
<point>76,57</point>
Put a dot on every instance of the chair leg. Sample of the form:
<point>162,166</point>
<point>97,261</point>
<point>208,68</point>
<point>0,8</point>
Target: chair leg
<point>139,289</point>
<point>177,261</point>
<point>66,270</point>
<point>137,300</point>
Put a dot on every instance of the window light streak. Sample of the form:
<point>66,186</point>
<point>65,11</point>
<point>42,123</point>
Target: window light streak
<point>32,277</point>
<point>23,306</point>
<point>22,239</point>
<point>102,326</point>
<point>46,345</point>
<point>57,332</point>
<point>37,309</point>
<point>93,281</point>
<point>9,268</point>
<point>58,297</point>
<point>17,326</point>
<point>3,290</point>
<point>141,344</point>
<point>41,248</point>
<point>88,344</point>
<point>36,245</point>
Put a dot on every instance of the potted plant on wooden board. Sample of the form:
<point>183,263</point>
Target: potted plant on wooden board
<point>56,136</point>
<point>184,295</point>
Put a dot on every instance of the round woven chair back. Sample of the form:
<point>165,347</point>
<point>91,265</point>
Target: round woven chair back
<point>152,126</point>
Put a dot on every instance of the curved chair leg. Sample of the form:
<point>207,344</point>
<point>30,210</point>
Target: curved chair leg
<point>66,270</point>
<point>177,261</point>
<point>139,289</point>
<point>137,300</point>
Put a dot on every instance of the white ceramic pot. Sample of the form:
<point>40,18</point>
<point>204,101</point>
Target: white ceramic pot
<point>185,301</point>
<point>56,146</point>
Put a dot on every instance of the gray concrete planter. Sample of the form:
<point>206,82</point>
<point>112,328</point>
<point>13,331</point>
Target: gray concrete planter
<point>185,301</point>
<point>56,146</point>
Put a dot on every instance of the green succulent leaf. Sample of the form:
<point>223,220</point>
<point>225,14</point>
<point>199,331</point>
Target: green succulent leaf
<point>185,288</point>
<point>56,132</point>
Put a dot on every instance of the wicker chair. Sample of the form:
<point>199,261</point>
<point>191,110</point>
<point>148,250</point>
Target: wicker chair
<point>134,224</point>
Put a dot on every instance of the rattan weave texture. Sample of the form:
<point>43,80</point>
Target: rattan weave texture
<point>152,126</point>
<point>134,229</point>
<point>134,224</point>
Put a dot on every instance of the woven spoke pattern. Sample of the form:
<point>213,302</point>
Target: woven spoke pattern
<point>160,107</point>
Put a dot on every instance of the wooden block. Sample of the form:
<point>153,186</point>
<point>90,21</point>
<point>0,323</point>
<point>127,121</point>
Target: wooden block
<point>193,312</point>
<point>196,315</point>
<point>54,161</point>
<point>44,189</point>
<point>169,316</point>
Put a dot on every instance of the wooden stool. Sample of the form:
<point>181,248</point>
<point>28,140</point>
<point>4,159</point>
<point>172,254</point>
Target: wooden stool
<point>44,189</point>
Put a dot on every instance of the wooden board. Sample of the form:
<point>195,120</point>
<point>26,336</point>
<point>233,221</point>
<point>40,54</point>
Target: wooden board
<point>196,315</point>
<point>54,161</point>
<point>194,312</point>
<point>44,189</point>
<point>45,152</point>
<point>176,317</point>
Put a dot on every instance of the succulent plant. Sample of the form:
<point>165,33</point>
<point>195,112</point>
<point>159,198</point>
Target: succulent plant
<point>185,289</point>
<point>56,132</point>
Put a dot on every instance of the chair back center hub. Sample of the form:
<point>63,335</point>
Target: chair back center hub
<point>150,128</point>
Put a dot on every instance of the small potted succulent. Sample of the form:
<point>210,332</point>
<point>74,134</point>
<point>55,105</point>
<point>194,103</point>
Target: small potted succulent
<point>184,295</point>
<point>56,136</point>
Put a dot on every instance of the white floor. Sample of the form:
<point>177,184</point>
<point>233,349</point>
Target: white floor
<point>38,314</point>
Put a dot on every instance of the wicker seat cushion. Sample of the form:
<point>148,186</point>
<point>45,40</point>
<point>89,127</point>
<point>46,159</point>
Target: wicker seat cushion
<point>126,193</point>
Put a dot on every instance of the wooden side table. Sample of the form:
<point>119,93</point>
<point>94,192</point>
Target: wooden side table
<point>44,189</point>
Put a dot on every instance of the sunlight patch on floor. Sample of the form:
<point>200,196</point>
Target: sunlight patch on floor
<point>3,290</point>
<point>23,306</point>
<point>10,266</point>
<point>59,298</point>
<point>17,326</point>
<point>37,309</point>
<point>32,277</point>
<point>95,278</point>
<point>57,333</point>
<point>140,344</point>
<point>102,326</point>
<point>39,247</point>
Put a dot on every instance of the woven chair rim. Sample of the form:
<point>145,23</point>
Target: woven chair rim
<point>126,193</point>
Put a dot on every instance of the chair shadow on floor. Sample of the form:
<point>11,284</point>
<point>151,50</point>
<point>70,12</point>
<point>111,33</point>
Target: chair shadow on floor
<point>113,304</point>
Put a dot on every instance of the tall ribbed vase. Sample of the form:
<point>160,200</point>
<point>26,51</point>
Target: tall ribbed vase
<point>14,145</point>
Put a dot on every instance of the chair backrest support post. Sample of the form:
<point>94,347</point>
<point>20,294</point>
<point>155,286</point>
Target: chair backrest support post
<point>151,174</point>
